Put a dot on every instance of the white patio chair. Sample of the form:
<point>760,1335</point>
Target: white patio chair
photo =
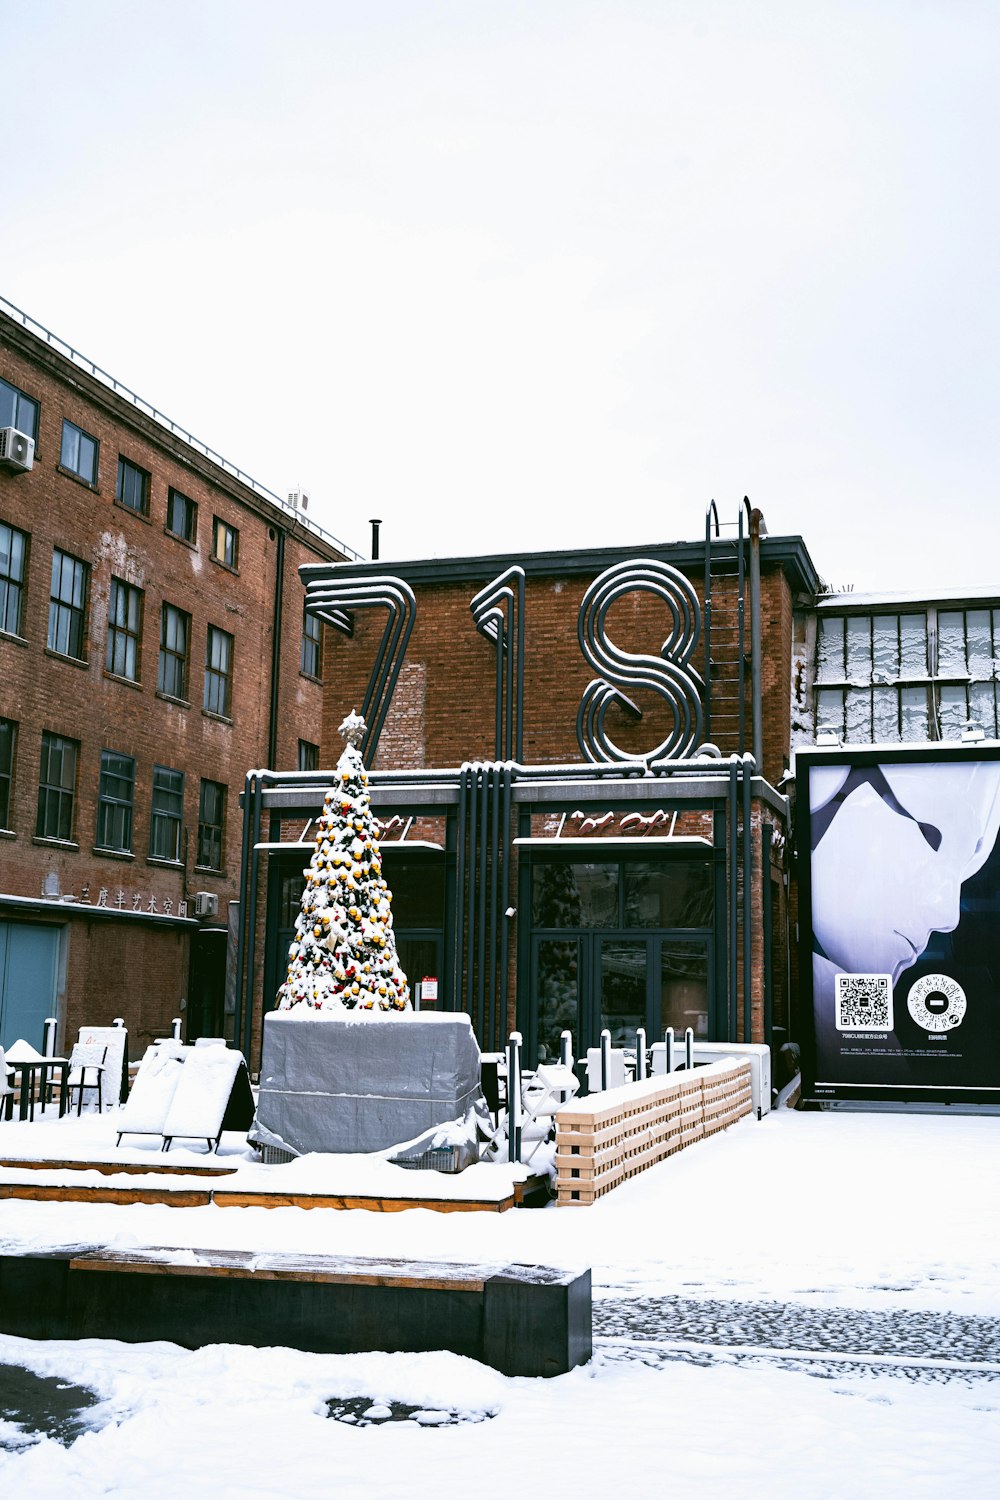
<point>86,1059</point>
<point>616,1069</point>
<point>543,1093</point>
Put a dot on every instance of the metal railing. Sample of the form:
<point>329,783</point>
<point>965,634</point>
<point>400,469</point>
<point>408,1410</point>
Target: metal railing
<point>88,365</point>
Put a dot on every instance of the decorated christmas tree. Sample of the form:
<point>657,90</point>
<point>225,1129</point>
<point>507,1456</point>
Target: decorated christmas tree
<point>343,955</point>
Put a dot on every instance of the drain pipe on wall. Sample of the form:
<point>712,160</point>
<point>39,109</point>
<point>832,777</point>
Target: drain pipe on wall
<point>757,529</point>
<point>279,589</point>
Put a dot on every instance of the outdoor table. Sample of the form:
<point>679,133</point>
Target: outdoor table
<point>27,1070</point>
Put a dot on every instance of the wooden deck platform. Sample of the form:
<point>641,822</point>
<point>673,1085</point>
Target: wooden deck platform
<point>530,1193</point>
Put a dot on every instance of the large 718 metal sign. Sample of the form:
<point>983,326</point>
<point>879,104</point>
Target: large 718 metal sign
<point>498,614</point>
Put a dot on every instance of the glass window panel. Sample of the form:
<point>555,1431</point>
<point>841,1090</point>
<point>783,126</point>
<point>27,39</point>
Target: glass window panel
<point>623,990</point>
<point>172,671</point>
<point>953,711</point>
<point>78,453</point>
<point>951,643</point>
<point>26,417</point>
<point>418,887</point>
<point>859,648</point>
<point>218,659</point>
<point>114,808</point>
<point>56,787</point>
<point>979,643</point>
<point>684,988</point>
<point>668,895</point>
<point>830,649</point>
<point>181,514</point>
<point>308,756</point>
<point>18,410</point>
<point>225,542</point>
<point>290,899</point>
<point>575,895</point>
<point>885,648</point>
<point>69,453</point>
<point>167,813</point>
<point>982,706</point>
<point>211,822</point>
<point>8,733</point>
<point>558,995</point>
<point>11,578</point>
<point>66,605</point>
<point>913,714</point>
<point>885,714</point>
<point>830,710</point>
<point>857,715</point>
<point>913,645</point>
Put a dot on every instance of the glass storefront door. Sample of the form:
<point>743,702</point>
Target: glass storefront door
<point>595,980</point>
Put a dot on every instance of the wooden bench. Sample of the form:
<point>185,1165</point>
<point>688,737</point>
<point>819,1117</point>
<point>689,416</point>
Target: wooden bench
<point>521,1319</point>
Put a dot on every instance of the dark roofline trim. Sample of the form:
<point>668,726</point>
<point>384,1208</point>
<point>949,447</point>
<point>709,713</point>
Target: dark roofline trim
<point>786,552</point>
<point>154,427</point>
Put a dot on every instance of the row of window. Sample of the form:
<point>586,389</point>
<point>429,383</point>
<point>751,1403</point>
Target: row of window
<point>67,631</point>
<point>68,597</point>
<point>914,676</point>
<point>57,798</point>
<point>79,454</point>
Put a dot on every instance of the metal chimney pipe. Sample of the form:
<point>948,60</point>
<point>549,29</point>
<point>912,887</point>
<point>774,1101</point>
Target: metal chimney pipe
<point>375,523</point>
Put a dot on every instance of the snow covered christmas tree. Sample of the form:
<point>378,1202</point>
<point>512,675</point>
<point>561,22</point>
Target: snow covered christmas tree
<point>343,955</point>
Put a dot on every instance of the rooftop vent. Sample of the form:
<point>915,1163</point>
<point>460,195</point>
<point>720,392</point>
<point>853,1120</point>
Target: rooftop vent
<point>299,500</point>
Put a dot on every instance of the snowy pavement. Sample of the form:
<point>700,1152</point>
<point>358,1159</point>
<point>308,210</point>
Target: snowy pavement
<point>864,1249</point>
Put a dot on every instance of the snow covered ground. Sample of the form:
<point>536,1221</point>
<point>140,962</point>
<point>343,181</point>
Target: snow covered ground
<point>808,1305</point>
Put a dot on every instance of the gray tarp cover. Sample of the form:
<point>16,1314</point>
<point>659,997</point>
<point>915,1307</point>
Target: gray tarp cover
<point>362,1085</point>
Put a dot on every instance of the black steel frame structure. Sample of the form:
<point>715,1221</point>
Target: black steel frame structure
<point>487,806</point>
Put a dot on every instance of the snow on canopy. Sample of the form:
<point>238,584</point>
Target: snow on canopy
<point>343,955</point>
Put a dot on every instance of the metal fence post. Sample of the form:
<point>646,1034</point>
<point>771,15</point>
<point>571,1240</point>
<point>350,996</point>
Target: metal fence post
<point>689,1049</point>
<point>640,1053</point>
<point>514,1097</point>
<point>605,1058</point>
<point>668,1042</point>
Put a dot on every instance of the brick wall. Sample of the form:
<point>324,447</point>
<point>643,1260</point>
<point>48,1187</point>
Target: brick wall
<point>444,704</point>
<point>41,690</point>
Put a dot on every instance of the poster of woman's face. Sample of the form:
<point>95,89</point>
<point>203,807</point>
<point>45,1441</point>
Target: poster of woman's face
<point>904,911</point>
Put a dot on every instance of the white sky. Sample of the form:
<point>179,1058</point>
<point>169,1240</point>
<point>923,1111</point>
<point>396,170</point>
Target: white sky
<point>532,273</point>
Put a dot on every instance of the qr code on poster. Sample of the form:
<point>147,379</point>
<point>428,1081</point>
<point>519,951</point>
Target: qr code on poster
<point>864,1002</point>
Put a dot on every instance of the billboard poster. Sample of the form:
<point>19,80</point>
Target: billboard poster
<point>900,884</point>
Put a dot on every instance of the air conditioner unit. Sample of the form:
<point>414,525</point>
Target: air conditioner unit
<point>17,450</point>
<point>206,904</point>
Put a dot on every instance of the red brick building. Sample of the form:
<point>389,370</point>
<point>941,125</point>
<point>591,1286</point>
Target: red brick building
<point>153,648</point>
<point>577,757</point>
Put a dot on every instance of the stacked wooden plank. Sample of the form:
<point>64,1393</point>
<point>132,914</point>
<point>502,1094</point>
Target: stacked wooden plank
<point>728,1096</point>
<point>606,1138</point>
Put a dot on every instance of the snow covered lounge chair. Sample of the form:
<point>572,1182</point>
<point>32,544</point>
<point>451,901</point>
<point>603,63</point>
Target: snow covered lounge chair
<point>6,1091</point>
<point>198,1108</point>
<point>83,1060</point>
<point>145,1111</point>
